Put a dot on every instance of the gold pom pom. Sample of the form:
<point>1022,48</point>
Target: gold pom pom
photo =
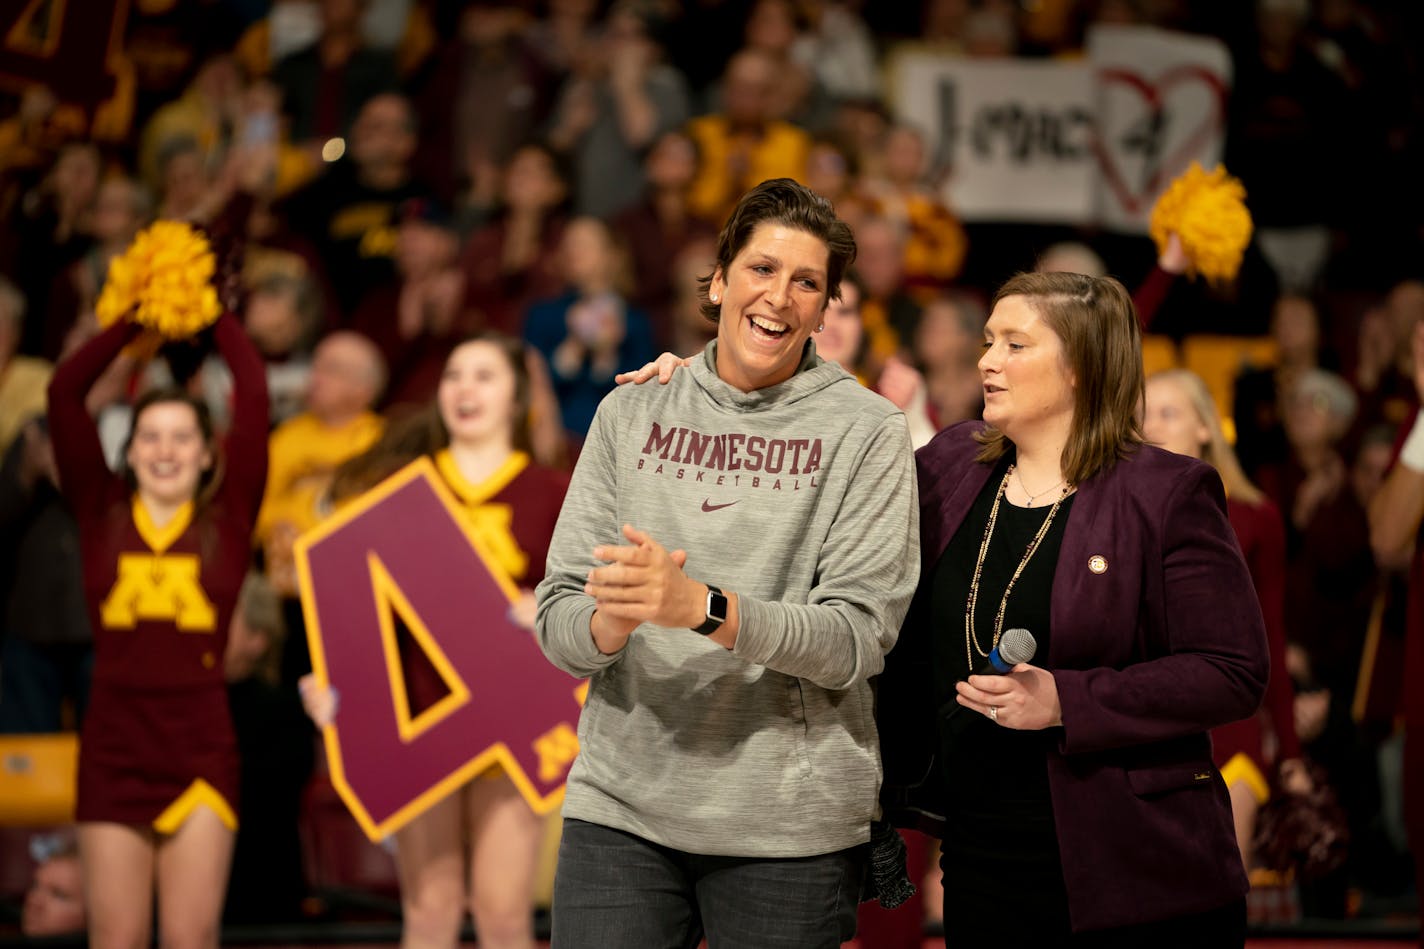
<point>1207,210</point>
<point>163,281</point>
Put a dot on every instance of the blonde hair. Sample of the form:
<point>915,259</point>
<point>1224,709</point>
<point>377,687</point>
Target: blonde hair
<point>1217,451</point>
<point>1102,346</point>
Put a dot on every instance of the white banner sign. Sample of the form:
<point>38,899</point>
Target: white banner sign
<point>1016,136</point>
<point>1092,141</point>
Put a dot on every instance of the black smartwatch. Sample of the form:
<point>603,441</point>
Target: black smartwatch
<point>716,612</point>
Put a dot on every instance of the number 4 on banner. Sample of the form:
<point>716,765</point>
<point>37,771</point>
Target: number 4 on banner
<point>401,553</point>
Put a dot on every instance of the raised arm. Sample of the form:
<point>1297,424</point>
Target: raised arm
<point>1218,661</point>
<point>78,454</point>
<point>1152,293</point>
<point>246,462</point>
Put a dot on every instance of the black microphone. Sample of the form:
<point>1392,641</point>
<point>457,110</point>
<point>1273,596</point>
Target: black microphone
<point>1015,646</point>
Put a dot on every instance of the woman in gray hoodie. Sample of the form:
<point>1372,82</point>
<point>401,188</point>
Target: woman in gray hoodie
<point>732,562</point>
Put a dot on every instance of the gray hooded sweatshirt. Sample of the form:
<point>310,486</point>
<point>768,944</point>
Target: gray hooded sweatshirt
<point>800,498</point>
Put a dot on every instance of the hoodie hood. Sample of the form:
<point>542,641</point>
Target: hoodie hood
<point>812,375</point>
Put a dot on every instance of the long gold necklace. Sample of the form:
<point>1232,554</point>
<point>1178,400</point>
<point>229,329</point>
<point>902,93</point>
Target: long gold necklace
<point>971,641</point>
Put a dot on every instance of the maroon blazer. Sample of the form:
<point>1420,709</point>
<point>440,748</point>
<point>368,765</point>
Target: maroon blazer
<point>1155,643</point>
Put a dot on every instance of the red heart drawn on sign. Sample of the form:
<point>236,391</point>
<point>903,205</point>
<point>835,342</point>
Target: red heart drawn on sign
<point>1176,161</point>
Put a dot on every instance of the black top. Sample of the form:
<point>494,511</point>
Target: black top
<point>996,777</point>
<point>352,225</point>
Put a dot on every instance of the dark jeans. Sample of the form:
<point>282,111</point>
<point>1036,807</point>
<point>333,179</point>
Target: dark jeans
<point>614,889</point>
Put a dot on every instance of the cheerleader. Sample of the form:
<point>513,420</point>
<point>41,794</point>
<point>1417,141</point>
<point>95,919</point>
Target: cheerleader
<point>477,848</point>
<point>165,546</point>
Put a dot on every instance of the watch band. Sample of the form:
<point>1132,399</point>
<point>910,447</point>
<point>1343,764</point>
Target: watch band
<point>716,612</point>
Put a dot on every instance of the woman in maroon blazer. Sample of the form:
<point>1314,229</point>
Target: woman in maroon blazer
<point>1076,797</point>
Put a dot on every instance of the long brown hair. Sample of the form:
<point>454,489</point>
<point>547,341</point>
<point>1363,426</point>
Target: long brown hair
<point>1102,345</point>
<point>423,432</point>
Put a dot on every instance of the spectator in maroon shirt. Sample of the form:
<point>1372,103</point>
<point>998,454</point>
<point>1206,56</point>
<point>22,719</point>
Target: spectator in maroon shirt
<point>660,227</point>
<point>416,320</point>
<point>485,95</point>
<point>1330,573</point>
<point>513,260</point>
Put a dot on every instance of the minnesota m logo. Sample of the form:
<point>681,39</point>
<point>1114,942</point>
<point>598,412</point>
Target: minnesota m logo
<point>407,554</point>
<point>557,748</point>
<point>159,587</point>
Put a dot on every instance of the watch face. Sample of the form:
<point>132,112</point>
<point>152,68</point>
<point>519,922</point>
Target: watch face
<point>716,611</point>
<point>717,607</point>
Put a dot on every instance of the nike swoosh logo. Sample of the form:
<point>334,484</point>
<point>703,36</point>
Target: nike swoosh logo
<point>709,508</point>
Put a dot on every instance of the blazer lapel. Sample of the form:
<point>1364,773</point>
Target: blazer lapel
<point>1090,566</point>
<point>955,509</point>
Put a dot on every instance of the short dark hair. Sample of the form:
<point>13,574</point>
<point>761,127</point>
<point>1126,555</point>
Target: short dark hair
<point>790,203</point>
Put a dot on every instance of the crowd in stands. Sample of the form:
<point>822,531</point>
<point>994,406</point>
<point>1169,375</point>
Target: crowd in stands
<point>409,172</point>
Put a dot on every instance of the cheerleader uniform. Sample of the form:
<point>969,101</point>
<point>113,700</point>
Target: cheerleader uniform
<point>1239,749</point>
<point>158,741</point>
<point>513,512</point>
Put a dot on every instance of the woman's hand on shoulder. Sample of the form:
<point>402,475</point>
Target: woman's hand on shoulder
<point>1025,699</point>
<point>319,701</point>
<point>663,368</point>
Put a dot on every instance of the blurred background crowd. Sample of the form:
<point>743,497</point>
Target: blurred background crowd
<point>558,170</point>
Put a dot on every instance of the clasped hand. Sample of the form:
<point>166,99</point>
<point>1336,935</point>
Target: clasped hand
<point>642,583</point>
<point>1026,698</point>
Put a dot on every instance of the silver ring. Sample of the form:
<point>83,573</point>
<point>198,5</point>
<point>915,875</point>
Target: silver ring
<point>994,713</point>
